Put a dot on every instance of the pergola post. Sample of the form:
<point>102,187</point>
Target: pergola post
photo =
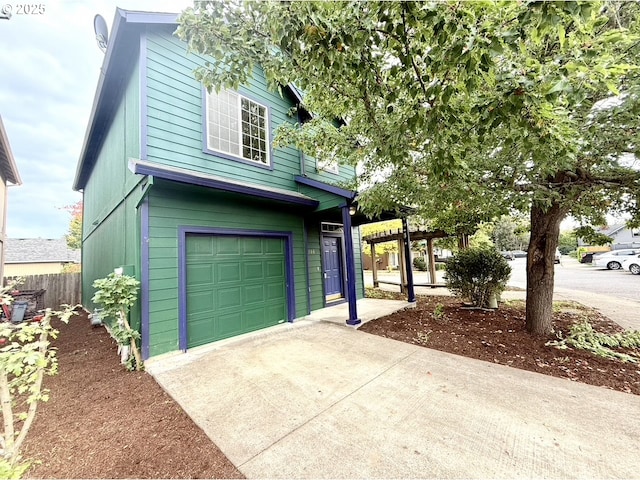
<point>374,265</point>
<point>402,266</point>
<point>432,261</point>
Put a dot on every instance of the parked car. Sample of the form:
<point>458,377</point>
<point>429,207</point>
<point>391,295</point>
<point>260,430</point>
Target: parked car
<point>556,258</point>
<point>613,260</point>
<point>508,255</point>
<point>519,253</point>
<point>632,264</point>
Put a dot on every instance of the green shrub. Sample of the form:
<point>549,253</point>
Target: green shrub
<point>476,274</point>
<point>419,263</point>
<point>566,249</point>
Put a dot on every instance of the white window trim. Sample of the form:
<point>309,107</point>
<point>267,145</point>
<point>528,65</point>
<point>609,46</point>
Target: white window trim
<point>239,119</point>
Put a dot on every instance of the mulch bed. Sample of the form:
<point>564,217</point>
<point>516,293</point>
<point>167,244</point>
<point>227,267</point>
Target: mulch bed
<point>499,336</point>
<point>104,422</point>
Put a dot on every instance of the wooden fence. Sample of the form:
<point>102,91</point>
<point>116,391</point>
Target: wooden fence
<point>60,288</point>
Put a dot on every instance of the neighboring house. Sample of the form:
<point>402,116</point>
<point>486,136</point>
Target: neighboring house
<point>185,191</point>
<point>622,236</point>
<point>10,175</point>
<point>37,256</point>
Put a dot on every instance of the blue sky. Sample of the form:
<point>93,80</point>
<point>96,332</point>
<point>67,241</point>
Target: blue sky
<point>49,65</point>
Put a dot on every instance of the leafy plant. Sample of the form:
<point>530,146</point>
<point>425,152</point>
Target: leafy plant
<point>438,313</point>
<point>26,356</point>
<point>476,274</point>
<point>419,263</point>
<point>117,294</point>
<point>423,337</point>
<point>583,336</point>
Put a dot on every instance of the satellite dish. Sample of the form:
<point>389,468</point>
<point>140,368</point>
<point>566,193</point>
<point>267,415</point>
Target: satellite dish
<point>102,34</point>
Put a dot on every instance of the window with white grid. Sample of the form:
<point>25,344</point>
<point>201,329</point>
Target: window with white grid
<point>237,126</point>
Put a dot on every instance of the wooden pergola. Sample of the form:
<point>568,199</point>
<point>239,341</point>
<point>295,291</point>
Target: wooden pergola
<point>404,237</point>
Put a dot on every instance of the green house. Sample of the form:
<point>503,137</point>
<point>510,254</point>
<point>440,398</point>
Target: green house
<point>184,190</point>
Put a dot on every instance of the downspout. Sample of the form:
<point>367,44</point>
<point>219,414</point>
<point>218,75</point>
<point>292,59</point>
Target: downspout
<point>144,277</point>
<point>305,238</point>
<point>303,168</point>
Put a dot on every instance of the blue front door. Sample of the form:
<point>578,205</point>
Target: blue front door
<point>332,257</point>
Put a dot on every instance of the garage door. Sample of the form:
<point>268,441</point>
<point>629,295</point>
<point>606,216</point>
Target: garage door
<point>234,285</point>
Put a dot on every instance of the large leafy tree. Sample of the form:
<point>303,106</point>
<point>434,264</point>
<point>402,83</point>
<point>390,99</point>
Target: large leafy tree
<point>467,109</point>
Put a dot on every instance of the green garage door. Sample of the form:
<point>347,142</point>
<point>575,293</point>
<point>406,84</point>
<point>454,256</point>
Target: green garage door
<point>234,285</point>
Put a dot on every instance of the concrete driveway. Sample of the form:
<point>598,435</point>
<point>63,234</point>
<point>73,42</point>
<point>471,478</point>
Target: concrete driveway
<point>318,400</point>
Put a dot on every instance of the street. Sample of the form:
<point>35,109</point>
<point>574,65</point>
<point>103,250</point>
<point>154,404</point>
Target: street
<point>572,275</point>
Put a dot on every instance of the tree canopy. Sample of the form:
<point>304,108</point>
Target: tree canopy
<point>74,234</point>
<point>465,110</point>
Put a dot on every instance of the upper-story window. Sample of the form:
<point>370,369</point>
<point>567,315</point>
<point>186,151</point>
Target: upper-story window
<point>330,165</point>
<point>237,126</point>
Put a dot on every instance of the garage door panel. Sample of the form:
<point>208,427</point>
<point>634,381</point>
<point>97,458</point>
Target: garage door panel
<point>274,269</point>
<point>200,331</point>
<point>252,246</point>
<point>253,294</point>
<point>274,247</point>
<point>234,285</point>
<point>229,324</point>
<point>275,311</point>
<point>274,291</point>
<point>228,272</point>
<point>228,245</point>
<point>253,317</point>
<point>200,302</point>
<point>228,297</point>
<point>201,245</point>
<point>253,271</point>
<point>200,274</point>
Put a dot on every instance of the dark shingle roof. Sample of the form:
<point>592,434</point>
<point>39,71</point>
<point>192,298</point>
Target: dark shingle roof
<point>39,250</point>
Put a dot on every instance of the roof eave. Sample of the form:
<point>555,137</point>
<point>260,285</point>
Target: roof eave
<point>121,19</point>
<point>11,173</point>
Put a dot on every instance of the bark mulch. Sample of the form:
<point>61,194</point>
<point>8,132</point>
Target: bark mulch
<point>104,422</point>
<point>499,336</point>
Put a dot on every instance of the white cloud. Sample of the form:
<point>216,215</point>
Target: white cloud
<point>49,66</point>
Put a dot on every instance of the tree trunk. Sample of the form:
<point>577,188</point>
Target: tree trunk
<point>545,228</point>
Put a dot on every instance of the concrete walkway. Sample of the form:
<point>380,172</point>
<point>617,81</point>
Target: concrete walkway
<point>324,401</point>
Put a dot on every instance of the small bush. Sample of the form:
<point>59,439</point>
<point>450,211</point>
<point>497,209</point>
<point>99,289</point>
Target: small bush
<point>419,263</point>
<point>477,273</point>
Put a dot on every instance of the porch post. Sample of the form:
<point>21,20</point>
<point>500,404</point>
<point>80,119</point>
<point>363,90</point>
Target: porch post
<point>411,296</point>
<point>351,267</point>
<point>432,263</point>
<point>374,265</point>
<point>402,266</point>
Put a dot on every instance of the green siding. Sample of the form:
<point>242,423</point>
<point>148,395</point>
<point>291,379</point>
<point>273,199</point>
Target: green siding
<point>314,250</point>
<point>357,253</point>
<point>172,206</point>
<point>110,223</point>
<point>327,200</point>
<point>175,117</point>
